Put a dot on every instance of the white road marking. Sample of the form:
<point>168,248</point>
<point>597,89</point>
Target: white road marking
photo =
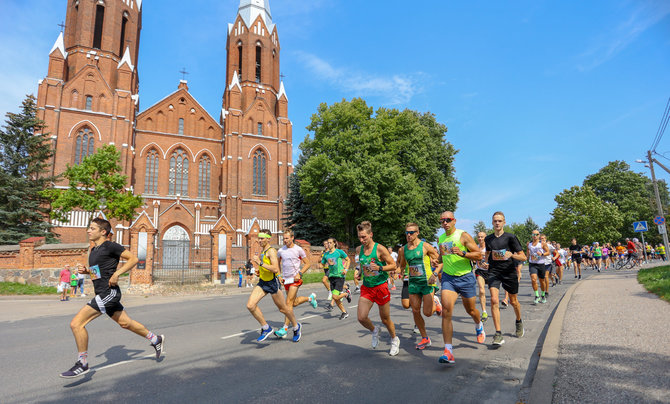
<point>124,362</point>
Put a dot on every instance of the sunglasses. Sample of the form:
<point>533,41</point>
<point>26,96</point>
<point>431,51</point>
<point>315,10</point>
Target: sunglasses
<point>447,220</point>
<point>536,234</point>
<point>410,232</point>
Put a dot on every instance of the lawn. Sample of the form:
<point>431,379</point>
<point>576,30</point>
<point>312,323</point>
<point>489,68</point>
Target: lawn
<point>656,280</point>
<point>13,288</point>
<point>315,277</point>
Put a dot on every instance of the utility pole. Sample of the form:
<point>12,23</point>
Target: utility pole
<point>658,199</point>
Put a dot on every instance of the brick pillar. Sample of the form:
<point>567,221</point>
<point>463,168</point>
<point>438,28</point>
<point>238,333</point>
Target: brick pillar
<point>142,275</point>
<point>27,252</point>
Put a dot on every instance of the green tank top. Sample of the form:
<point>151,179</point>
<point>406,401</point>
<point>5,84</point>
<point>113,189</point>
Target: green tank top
<point>418,266</point>
<point>454,264</point>
<point>597,252</point>
<point>371,278</point>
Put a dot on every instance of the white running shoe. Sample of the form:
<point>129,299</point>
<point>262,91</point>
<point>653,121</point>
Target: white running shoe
<point>330,296</point>
<point>375,337</point>
<point>395,346</point>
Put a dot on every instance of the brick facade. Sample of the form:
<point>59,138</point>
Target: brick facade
<point>192,170</point>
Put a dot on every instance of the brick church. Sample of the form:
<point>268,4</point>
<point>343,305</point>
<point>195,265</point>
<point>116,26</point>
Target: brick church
<point>206,183</point>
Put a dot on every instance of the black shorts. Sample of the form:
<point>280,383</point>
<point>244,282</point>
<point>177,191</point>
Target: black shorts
<point>549,268</point>
<point>537,269</point>
<point>108,303</point>
<point>336,283</point>
<point>326,272</point>
<point>509,281</point>
<point>482,272</point>
<point>270,287</point>
<point>404,294</point>
<point>577,259</point>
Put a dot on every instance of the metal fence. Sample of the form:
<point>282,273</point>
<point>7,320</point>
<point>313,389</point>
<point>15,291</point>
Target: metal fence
<point>183,261</point>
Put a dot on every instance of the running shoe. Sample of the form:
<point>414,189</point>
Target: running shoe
<point>537,300</point>
<point>481,334</point>
<point>580,277</point>
<point>425,343</point>
<point>348,296</point>
<point>447,357</point>
<point>329,307</point>
<point>498,339</point>
<point>575,276</point>
<point>159,346</point>
<point>264,334</point>
<point>75,371</point>
<point>297,334</point>
<point>313,300</point>
<point>281,332</point>
<point>375,338</point>
<point>484,317</point>
<point>520,331</point>
<point>344,315</point>
<point>544,299</point>
<point>438,305</point>
<point>330,296</point>
<point>546,293</point>
<point>357,289</point>
<point>416,330</point>
<point>395,346</point>
<point>503,304</point>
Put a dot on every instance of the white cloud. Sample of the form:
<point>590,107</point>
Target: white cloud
<point>616,40</point>
<point>396,89</point>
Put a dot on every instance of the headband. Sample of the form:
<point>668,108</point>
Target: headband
<point>264,235</point>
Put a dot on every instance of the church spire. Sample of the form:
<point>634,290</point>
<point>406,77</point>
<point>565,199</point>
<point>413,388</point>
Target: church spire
<point>250,9</point>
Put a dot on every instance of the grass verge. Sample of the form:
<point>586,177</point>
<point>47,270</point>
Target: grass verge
<point>656,280</point>
<point>13,288</point>
<point>315,277</point>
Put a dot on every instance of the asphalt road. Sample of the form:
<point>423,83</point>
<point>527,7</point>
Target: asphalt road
<point>212,356</point>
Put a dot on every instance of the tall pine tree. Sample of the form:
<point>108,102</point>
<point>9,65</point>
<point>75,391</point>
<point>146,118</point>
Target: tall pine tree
<point>25,153</point>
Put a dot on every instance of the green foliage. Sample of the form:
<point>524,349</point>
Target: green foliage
<point>581,214</point>
<point>479,227</point>
<point>13,288</point>
<point>391,168</point>
<point>632,193</point>
<point>25,153</point>
<point>523,231</point>
<point>656,280</point>
<point>95,184</point>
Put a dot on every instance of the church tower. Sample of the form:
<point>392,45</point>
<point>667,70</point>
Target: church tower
<point>257,133</point>
<point>89,97</point>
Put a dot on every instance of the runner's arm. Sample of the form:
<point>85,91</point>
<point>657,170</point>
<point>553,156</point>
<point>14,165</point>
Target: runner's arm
<point>385,256</point>
<point>131,261</point>
<point>473,253</point>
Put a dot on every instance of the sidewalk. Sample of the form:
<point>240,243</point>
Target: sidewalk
<point>607,343</point>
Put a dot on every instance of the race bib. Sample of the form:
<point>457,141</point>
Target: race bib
<point>331,261</point>
<point>95,272</point>
<point>535,257</point>
<point>288,281</point>
<point>445,248</point>
<point>367,269</point>
<point>416,270</point>
<point>499,255</point>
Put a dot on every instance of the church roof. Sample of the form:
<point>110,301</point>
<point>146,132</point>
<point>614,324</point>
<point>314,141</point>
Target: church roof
<point>59,45</point>
<point>126,59</point>
<point>251,9</point>
<point>282,91</point>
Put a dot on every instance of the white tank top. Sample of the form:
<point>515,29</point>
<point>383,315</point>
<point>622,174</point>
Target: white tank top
<point>535,251</point>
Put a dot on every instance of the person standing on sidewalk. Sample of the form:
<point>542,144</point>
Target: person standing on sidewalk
<point>501,249</point>
<point>64,282</point>
<point>103,260</point>
<point>458,250</point>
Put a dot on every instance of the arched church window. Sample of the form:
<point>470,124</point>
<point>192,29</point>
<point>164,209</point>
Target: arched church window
<point>99,22</point>
<point>84,145</point>
<point>260,129</point>
<point>258,63</point>
<point>122,39</point>
<point>181,126</point>
<point>151,173</point>
<point>239,59</point>
<point>204,175</point>
<point>89,103</point>
<point>259,173</point>
<point>178,173</point>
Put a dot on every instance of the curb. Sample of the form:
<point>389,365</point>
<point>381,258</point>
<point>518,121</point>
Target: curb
<point>542,388</point>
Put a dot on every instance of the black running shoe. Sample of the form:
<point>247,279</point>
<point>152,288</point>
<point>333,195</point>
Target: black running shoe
<point>344,315</point>
<point>159,346</point>
<point>75,371</point>
<point>348,296</point>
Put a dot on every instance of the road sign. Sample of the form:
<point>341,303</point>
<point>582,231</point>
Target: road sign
<point>661,229</point>
<point>640,226</point>
<point>659,220</point>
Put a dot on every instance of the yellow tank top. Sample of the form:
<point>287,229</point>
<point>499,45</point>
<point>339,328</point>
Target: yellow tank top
<point>263,273</point>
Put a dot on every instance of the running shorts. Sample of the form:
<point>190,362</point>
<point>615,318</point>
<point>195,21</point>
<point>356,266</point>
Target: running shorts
<point>549,268</point>
<point>577,258</point>
<point>336,284</point>
<point>481,272</point>
<point>108,303</point>
<point>404,294</point>
<point>537,269</point>
<point>297,283</point>
<point>270,287</point>
<point>377,294</point>
<point>421,289</point>
<point>326,271</point>
<point>464,285</point>
<point>509,281</point>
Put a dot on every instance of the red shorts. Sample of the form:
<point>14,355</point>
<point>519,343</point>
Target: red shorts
<point>379,294</point>
<point>287,286</point>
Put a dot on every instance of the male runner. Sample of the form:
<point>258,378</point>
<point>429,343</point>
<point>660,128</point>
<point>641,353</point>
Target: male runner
<point>417,255</point>
<point>536,266</point>
<point>481,273</point>
<point>268,268</point>
<point>324,280</point>
<point>560,262</point>
<point>290,257</point>
<point>575,252</point>
<point>458,249</point>
<point>103,260</point>
<point>338,263</point>
<point>501,249</point>
<point>375,263</point>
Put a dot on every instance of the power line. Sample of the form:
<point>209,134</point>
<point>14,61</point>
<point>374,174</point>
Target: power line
<point>661,127</point>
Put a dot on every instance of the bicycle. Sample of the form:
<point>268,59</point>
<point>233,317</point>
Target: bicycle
<point>628,263</point>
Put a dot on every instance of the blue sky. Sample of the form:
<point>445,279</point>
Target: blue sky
<point>536,94</point>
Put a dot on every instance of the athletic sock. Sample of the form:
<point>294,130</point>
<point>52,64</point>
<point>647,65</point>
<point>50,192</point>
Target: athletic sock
<point>265,326</point>
<point>83,358</point>
<point>537,293</point>
<point>152,337</point>
<point>449,347</point>
<point>480,325</point>
<point>543,293</point>
<point>296,328</point>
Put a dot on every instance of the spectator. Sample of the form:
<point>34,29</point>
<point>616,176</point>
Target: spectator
<point>250,274</point>
<point>74,280</point>
<point>64,282</point>
<point>80,282</point>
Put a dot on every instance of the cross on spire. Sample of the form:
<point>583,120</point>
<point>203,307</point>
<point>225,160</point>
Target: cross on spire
<point>62,26</point>
<point>282,76</point>
<point>183,73</point>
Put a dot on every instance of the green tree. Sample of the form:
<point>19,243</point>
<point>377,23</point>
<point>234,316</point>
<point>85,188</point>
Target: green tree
<point>95,184</point>
<point>631,192</point>
<point>581,214</point>
<point>25,152</point>
<point>390,168</point>
<point>480,226</point>
<point>524,231</point>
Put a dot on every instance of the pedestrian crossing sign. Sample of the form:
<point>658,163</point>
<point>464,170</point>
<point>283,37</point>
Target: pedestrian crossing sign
<point>640,226</point>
